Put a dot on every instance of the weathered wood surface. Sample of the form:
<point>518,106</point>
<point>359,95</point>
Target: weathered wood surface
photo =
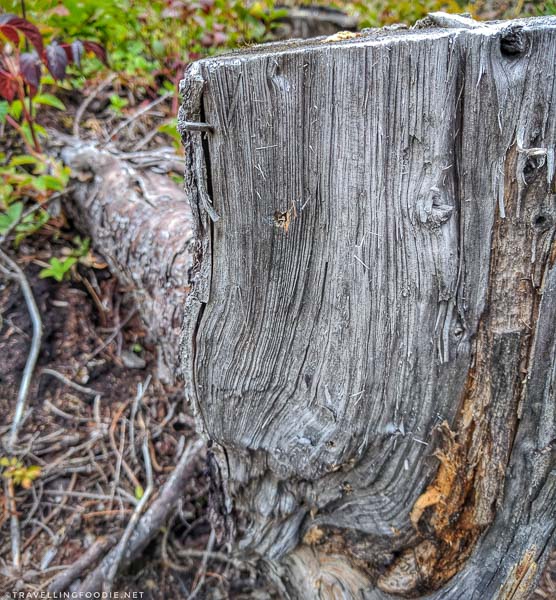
<point>141,223</point>
<point>370,342</point>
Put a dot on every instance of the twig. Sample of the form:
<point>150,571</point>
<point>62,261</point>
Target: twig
<point>111,338</point>
<point>61,582</point>
<point>122,545</point>
<point>148,138</point>
<point>134,117</point>
<point>151,522</point>
<point>53,512</point>
<point>57,411</point>
<point>141,389</point>
<point>203,567</point>
<point>14,524</point>
<point>15,272</point>
<point>81,110</point>
<point>70,383</point>
<point>90,495</point>
<point>119,454</point>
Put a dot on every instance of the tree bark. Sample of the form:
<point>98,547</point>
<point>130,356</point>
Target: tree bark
<point>142,224</point>
<point>369,344</point>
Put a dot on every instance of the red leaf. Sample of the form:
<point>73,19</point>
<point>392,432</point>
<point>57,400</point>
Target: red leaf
<point>74,52</point>
<point>56,60</point>
<point>30,67</point>
<point>23,26</point>
<point>8,86</point>
<point>96,49</point>
<point>10,33</point>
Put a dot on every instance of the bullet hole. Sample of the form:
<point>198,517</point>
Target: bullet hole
<point>542,222</point>
<point>513,42</point>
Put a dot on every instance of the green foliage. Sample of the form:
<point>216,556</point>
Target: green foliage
<point>547,8</point>
<point>117,103</point>
<point>376,13</point>
<point>14,470</point>
<point>58,268</point>
<point>9,218</point>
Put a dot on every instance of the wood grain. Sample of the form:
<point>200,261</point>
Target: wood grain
<point>370,342</point>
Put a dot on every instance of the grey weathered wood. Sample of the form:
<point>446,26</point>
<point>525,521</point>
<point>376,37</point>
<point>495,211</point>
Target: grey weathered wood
<point>370,341</point>
<point>140,222</point>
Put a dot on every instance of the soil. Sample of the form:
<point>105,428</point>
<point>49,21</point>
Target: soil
<point>93,336</point>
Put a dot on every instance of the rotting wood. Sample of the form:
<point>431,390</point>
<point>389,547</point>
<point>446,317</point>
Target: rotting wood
<point>377,375</point>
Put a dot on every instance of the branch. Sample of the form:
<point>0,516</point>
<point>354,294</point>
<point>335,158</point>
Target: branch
<point>122,545</point>
<point>16,273</point>
<point>151,522</point>
<point>62,581</point>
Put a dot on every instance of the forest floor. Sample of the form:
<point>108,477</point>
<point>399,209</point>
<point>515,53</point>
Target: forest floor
<point>83,442</point>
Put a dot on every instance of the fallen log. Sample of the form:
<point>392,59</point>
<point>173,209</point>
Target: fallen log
<point>141,223</point>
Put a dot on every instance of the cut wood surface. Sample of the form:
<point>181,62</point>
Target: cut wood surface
<point>370,342</point>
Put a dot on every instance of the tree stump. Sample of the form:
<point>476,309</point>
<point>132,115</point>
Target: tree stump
<point>370,341</point>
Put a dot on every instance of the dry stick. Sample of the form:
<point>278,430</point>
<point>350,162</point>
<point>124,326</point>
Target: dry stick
<point>122,545</point>
<point>134,117</point>
<point>129,472</point>
<point>14,524</point>
<point>112,337</point>
<point>81,110</point>
<point>53,512</point>
<point>61,582</point>
<point>141,389</point>
<point>15,272</point>
<point>203,568</point>
<point>70,383</point>
<point>151,522</point>
<point>57,411</point>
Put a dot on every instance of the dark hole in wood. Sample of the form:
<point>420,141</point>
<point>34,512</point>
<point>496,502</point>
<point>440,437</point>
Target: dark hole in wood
<point>530,169</point>
<point>542,221</point>
<point>513,43</point>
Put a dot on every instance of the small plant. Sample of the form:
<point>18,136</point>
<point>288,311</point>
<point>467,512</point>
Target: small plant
<point>15,471</point>
<point>117,103</point>
<point>20,72</point>
<point>58,268</point>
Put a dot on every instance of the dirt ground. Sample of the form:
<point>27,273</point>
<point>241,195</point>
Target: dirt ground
<point>94,337</point>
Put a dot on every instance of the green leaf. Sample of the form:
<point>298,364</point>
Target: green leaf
<point>49,182</point>
<point>24,159</point>
<point>4,108</point>
<point>139,492</point>
<point>30,224</point>
<point>81,246</point>
<point>15,109</point>
<point>58,268</point>
<point>49,100</point>
<point>11,216</point>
